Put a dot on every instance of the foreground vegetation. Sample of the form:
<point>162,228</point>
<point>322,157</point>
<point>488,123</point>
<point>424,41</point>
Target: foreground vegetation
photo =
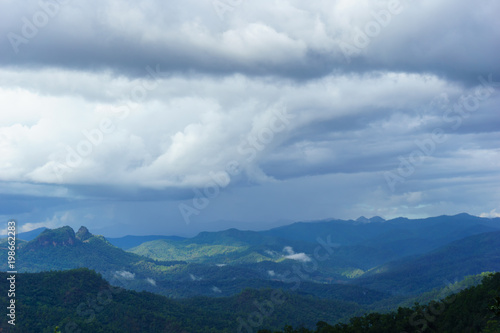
<point>82,301</point>
<point>476,309</point>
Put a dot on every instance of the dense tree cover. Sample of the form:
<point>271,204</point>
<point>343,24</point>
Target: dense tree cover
<point>468,256</point>
<point>82,299</point>
<point>475,309</point>
<point>168,250</point>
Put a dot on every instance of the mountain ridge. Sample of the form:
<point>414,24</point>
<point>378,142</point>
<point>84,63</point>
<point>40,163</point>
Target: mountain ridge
<point>232,258</point>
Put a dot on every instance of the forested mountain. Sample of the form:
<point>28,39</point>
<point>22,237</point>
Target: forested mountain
<point>371,253</point>
<point>130,241</point>
<point>224,263</point>
<point>360,246</point>
<point>82,301</point>
<point>62,248</point>
<point>413,275</point>
<point>476,309</point>
<point>368,270</point>
<point>402,235</point>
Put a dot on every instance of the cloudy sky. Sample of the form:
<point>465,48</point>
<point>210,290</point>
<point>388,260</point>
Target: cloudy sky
<point>170,117</point>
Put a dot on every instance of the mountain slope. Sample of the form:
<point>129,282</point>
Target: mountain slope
<point>128,242</point>
<point>357,246</point>
<point>471,310</point>
<point>163,249</point>
<point>411,275</point>
<point>400,236</point>
<point>228,246</point>
<point>30,235</point>
<point>81,299</point>
<point>63,249</point>
<point>224,263</point>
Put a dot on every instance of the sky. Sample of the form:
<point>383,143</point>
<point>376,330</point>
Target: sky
<point>173,117</point>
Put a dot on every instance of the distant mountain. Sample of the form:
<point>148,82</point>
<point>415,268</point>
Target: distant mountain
<point>355,247</point>
<point>230,263</point>
<point>62,248</point>
<point>30,235</point>
<point>232,237</point>
<point>61,237</point>
<point>361,245</point>
<point>228,246</point>
<point>375,219</point>
<point>452,262</point>
<point>224,263</point>
<point>128,242</point>
<point>400,236</point>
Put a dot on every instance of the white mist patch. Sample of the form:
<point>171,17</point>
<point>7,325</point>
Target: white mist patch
<point>151,281</point>
<point>125,275</point>
<point>295,256</point>
<point>492,214</point>
<point>272,254</point>
<point>194,277</point>
<point>271,273</point>
<point>216,290</point>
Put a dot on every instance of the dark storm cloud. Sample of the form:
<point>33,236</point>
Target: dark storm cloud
<point>457,40</point>
<point>129,193</point>
<point>14,205</point>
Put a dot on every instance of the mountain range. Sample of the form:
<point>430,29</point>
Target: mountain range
<point>362,265</point>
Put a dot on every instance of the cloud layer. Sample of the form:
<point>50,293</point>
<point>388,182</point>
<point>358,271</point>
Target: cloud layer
<point>109,102</point>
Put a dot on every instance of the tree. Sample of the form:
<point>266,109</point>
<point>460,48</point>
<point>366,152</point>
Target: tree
<point>496,307</point>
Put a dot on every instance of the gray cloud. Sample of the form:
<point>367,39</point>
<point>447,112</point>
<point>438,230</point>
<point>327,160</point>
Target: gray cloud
<point>286,39</point>
<point>117,111</point>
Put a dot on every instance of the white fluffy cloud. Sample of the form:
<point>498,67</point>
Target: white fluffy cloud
<point>175,137</point>
<point>302,257</point>
<point>493,213</point>
<point>125,275</point>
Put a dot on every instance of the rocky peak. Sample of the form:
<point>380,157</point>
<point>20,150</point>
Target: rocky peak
<point>362,219</point>
<point>64,236</point>
<point>83,234</point>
